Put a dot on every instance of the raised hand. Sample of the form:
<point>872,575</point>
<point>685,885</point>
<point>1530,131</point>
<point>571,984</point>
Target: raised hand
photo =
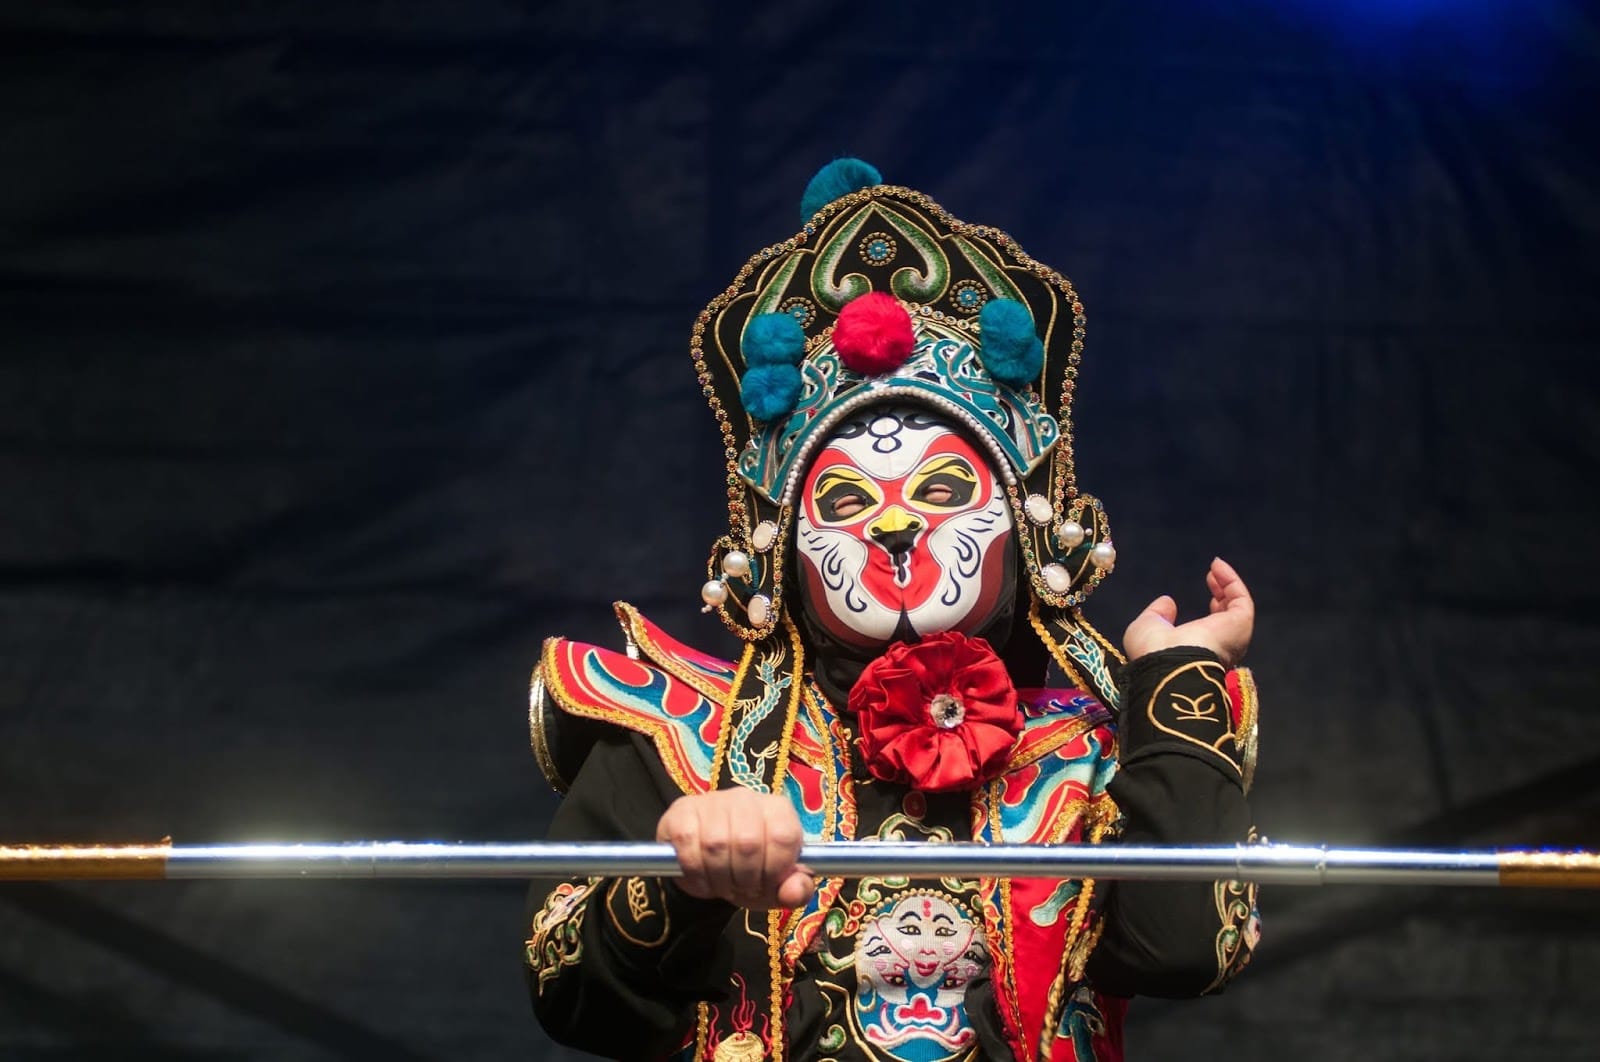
<point>740,846</point>
<point>1225,630</point>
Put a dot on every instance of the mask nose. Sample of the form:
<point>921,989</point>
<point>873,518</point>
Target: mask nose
<point>896,531</point>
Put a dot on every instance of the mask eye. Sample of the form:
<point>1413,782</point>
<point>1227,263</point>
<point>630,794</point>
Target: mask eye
<point>847,505</point>
<point>843,495</point>
<point>946,482</point>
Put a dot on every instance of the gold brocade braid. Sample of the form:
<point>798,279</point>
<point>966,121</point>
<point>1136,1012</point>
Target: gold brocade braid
<point>1076,948</point>
<point>1057,654</point>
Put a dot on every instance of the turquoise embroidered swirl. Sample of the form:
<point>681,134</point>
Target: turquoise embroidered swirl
<point>774,681</point>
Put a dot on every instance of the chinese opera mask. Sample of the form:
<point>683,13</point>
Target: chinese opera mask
<point>903,530</point>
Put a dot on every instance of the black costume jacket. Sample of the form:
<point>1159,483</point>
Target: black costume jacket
<point>881,968</point>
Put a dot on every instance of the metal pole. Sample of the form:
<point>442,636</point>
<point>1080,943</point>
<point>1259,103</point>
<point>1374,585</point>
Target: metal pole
<point>1274,864</point>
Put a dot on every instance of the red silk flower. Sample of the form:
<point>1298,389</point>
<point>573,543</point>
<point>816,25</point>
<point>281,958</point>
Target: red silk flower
<point>939,715</point>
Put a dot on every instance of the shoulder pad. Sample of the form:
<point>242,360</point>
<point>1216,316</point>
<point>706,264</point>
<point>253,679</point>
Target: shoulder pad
<point>706,673</point>
<point>674,697</point>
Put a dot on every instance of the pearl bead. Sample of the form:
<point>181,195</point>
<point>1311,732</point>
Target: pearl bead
<point>1103,556</point>
<point>1037,506</point>
<point>765,534</point>
<point>1057,578</point>
<point>736,564</point>
<point>1071,534</point>
<point>760,610</point>
<point>714,593</point>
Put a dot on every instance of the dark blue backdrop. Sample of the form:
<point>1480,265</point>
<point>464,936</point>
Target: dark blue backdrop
<point>343,356</point>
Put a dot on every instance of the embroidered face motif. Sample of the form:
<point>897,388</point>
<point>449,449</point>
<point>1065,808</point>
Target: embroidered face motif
<point>903,530</point>
<point>914,959</point>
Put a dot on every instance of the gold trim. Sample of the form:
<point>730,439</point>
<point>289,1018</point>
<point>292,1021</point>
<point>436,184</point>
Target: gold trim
<point>1010,916</point>
<point>1236,905</point>
<point>555,938</point>
<point>719,756</point>
<point>537,737</point>
<point>791,717</point>
<point>1105,643</point>
<point>1053,1004</point>
<point>640,641</point>
<point>637,898</point>
<point>1214,674</point>
<point>1247,740</point>
<point>1071,814</point>
<point>1052,743</point>
<point>702,1032</point>
<point>848,821</point>
<point>1058,654</point>
<point>1075,932</point>
<point>993,809</point>
<point>775,978</point>
<point>830,786</point>
<point>658,732</point>
<point>1085,948</point>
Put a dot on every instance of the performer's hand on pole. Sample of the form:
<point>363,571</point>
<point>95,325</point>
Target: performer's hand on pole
<point>1225,630</point>
<point>740,846</point>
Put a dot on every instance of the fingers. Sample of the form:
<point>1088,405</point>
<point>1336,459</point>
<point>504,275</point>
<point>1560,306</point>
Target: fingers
<point>1224,582</point>
<point>717,850</point>
<point>782,850</point>
<point>1234,610</point>
<point>680,827</point>
<point>1150,629</point>
<point>747,851</point>
<point>1163,607</point>
<point>797,888</point>
<point>1226,630</point>
<point>1228,588</point>
<point>738,845</point>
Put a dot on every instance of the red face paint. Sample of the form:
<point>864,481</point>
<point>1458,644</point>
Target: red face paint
<point>902,525</point>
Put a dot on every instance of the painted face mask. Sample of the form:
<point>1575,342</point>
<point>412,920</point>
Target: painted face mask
<point>903,530</point>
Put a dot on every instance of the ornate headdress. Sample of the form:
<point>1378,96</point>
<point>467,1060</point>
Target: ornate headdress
<point>882,295</point>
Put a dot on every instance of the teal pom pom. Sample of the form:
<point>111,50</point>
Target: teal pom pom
<point>837,178</point>
<point>770,391</point>
<point>773,339</point>
<point>1012,351</point>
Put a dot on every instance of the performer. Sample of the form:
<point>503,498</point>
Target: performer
<point>907,559</point>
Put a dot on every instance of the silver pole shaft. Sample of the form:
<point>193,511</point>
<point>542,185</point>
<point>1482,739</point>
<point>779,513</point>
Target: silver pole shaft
<point>1265,863</point>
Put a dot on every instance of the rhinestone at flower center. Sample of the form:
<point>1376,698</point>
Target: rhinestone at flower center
<point>947,711</point>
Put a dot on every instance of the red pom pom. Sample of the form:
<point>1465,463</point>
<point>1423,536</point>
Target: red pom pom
<point>873,335</point>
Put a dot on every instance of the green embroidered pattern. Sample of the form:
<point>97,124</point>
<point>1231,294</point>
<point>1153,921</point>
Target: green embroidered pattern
<point>1087,654</point>
<point>775,680</point>
<point>556,939</point>
<point>1240,931</point>
<point>908,282</point>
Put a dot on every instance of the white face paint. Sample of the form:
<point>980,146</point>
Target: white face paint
<point>903,530</point>
<point>913,964</point>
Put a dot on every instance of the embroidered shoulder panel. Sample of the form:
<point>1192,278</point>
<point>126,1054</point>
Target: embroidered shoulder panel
<point>679,718</point>
<point>1063,760</point>
<point>706,673</point>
